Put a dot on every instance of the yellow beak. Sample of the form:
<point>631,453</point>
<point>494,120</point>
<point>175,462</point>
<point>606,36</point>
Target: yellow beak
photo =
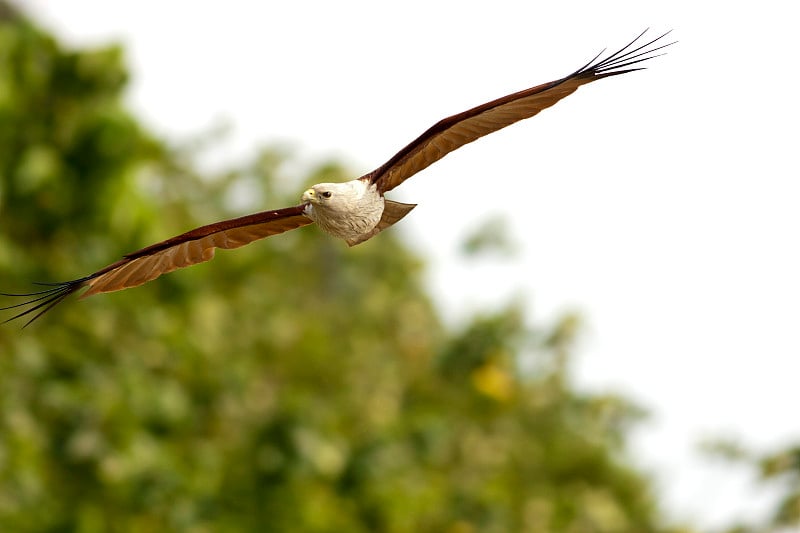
<point>310,195</point>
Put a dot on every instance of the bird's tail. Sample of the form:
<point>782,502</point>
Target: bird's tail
<point>392,212</point>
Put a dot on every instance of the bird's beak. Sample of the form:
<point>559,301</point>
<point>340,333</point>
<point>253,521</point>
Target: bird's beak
<point>309,196</point>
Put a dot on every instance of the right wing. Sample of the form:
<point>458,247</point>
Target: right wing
<point>147,264</point>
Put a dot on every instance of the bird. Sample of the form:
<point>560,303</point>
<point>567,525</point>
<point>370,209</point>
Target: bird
<point>355,210</point>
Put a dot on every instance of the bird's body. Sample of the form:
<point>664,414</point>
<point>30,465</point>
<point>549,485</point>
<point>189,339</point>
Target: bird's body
<point>348,210</point>
<point>355,210</point>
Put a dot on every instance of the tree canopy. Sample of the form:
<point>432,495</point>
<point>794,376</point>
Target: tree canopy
<point>294,385</point>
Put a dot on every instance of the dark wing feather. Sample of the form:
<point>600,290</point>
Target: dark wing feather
<point>147,264</point>
<point>454,132</point>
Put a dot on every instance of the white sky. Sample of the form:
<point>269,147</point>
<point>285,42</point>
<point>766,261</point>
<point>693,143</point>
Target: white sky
<point>662,205</point>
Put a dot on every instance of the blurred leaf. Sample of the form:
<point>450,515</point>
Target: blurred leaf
<point>728,449</point>
<point>783,462</point>
<point>491,237</point>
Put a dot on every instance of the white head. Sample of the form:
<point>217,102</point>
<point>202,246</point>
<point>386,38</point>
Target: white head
<point>326,195</point>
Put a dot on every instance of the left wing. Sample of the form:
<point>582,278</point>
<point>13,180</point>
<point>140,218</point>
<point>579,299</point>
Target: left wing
<point>454,132</point>
<point>147,264</point>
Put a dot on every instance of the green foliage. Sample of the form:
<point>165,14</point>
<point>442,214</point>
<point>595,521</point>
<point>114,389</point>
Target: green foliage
<point>490,237</point>
<point>778,469</point>
<point>295,385</point>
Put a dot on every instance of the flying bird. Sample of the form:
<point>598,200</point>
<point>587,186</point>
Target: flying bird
<point>355,210</point>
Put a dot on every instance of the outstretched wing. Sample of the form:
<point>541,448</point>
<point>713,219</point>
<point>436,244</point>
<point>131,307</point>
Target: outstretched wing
<point>147,264</point>
<point>454,132</point>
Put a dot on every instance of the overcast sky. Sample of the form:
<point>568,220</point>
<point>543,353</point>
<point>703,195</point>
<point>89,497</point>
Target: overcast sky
<point>662,205</point>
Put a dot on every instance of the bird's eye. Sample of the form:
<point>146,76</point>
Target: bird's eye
<point>327,194</point>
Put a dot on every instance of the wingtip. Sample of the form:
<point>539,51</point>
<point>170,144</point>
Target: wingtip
<point>628,55</point>
<point>40,302</point>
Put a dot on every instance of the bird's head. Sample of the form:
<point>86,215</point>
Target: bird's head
<point>319,194</point>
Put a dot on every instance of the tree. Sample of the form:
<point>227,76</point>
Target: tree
<point>778,469</point>
<point>295,385</point>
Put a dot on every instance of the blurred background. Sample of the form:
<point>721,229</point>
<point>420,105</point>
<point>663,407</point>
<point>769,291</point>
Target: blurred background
<point>606,341</point>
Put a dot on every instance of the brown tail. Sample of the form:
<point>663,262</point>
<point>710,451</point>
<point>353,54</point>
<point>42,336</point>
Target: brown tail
<point>392,212</point>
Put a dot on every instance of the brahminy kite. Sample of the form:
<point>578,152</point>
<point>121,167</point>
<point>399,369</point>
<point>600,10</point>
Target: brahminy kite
<point>355,210</point>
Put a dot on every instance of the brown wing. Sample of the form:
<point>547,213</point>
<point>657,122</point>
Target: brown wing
<point>184,250</point>
<point>456,131</point>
